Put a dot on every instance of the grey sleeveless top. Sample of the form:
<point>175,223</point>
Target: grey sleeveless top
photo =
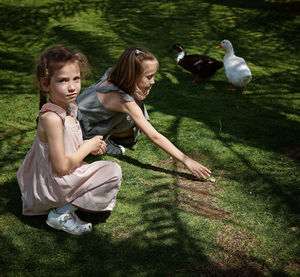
<point>95,119</point>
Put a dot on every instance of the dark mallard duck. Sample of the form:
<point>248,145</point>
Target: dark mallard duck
<point>200,65</point>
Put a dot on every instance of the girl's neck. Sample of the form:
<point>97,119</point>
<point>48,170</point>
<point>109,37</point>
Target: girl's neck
<point>64,105</point>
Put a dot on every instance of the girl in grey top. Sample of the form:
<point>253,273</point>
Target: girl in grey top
<point>113,108</point>
<point>95,119</point>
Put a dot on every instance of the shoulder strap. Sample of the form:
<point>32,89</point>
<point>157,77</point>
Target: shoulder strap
<point>50,107</point>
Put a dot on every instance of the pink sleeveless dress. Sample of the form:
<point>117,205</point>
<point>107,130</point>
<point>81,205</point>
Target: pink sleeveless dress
<point>92,187</point>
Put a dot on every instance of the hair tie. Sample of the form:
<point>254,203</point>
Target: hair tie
<point>137,51</point>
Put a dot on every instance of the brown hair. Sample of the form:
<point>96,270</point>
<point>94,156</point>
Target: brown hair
<point>129,68</point>
<point>53,59</point>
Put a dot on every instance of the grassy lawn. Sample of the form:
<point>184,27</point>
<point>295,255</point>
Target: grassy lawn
<point>243,222</point>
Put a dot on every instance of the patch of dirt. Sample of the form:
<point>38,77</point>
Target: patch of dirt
<point>292,153</point>
<point>198,197</point>
<point>120,234</point>
<point>234,259</point>
<point>194,195</point>
<point>295,266</point>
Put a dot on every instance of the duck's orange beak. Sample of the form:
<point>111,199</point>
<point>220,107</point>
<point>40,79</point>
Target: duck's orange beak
<point>219,46</point>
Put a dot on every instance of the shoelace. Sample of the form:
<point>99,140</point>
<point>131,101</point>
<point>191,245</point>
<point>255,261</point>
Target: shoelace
<point>65,219</point>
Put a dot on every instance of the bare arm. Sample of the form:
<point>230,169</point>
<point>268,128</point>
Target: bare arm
<point>52,130</point>
<point>133,110</point>
<point>161,141</point>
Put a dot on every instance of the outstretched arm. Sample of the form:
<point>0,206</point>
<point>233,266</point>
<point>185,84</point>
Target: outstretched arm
<point>132,109</point>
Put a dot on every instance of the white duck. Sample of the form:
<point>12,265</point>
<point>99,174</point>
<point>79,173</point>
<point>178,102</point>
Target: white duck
<point>237,71</point>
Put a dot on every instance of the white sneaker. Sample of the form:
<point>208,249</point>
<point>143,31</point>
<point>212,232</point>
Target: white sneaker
<point>58,221</point>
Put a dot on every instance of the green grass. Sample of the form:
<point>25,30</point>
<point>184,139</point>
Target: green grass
<point>166,223</point>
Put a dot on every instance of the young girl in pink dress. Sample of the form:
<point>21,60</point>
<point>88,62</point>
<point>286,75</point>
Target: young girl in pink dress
<point>53,177</point>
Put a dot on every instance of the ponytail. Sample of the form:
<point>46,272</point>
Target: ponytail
<point>43,98</point>
<point>129,68</point>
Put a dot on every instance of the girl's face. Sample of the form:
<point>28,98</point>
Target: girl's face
<point>65,84</point>
<point>146,81</point>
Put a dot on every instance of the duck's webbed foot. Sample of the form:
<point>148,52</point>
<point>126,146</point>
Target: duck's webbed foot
<point>232,88</point>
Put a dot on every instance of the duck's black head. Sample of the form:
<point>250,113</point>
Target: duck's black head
<point>176,47</point>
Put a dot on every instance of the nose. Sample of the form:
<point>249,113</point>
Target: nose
<point>71,86</point>
<point>152,81</point>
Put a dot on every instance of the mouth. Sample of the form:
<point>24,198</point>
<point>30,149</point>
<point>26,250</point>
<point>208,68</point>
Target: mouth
<point>147,89</point>
<point>72,95</point>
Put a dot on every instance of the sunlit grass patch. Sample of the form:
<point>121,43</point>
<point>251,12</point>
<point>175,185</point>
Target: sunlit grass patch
<point>244,220</point>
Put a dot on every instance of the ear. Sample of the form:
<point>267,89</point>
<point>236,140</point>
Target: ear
<point>44,84</point>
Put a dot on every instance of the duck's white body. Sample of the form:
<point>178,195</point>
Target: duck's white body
<point>236,69</point>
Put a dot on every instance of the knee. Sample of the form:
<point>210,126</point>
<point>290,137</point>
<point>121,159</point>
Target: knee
<point>116,172</point>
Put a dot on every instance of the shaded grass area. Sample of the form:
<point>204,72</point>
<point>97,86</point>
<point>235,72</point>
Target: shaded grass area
<point>166,223</point>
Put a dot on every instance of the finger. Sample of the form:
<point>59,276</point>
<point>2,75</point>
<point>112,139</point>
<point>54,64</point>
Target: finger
<point>103,146</point>
<point>101,143</point>
<point>203,174</point>
<point>205,168</point>
<point>207,172</point>
<point>100,152</point>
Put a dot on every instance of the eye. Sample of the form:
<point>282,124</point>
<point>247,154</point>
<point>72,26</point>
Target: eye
<point>77,78</point>
<point>62,80</point>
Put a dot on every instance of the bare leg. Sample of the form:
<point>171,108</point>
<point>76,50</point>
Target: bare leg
<point>124,134</point>
<point>125,139</point>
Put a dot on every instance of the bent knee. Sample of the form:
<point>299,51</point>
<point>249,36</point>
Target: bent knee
<point>116,172</point>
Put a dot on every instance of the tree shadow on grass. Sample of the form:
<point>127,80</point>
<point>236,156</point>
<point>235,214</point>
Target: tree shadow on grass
<point>135,23</point>
<point>145,248</point>
<point>236,120</point>
<point>26,33</point>
<point>174,173</point>
<point>160,245</point>
<point>96,251</point>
